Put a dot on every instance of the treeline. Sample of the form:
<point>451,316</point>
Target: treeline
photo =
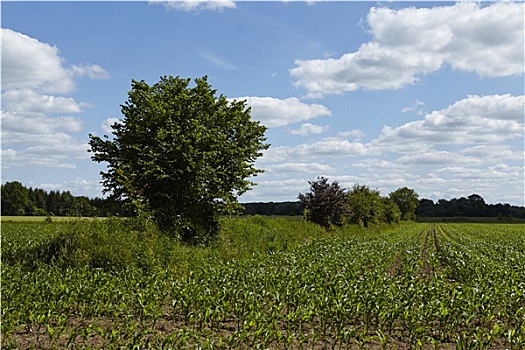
<point>272,208</point>
<point>19,200</point>
<point>455,207</point>
<point>331,205</point>
<point>472,206</point>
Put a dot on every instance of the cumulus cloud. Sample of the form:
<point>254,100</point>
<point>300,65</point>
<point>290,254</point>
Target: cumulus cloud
<point>491,172</point>
<point>196,5</point>
<point>276,190</point>
<point>274,112</point>
<point>36,124</point>
<point>77,186</point>
<point>12,158</point>
<point>475,119</point>
<point>92,71</point>
<point>325,148</point>
<point>37,129</point>
<point>28,101</point>
<point>355,134</point>
<point>294,167</point>
<point>411,42</point>
<point>309,129</point>
<point>30,64</point>
<point>437,157</point>
<point>492,152</point>
<point>446,153</point>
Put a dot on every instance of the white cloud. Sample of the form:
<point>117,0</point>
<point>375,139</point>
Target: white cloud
<point>108,123</point>
<point>450,152</point>
<point>92,71</point>
<point>36,128</point>
<point>437,157</point>
<point>491,152</point>
<point>274,112</point>
<point>325,148</point>
<point>494,173</point>
<point>355,134</point>
<point>309,129</point>
<point>411,42</point>
<point>276,190</point>
<point>196,5</point>
<point>28,101</point>
<point>77,186</point>
<point>376,163</point>
<point>473,120</point>
<point>294,167</point>
<point>29,64</point>
<point>35,85</point>
<point>12,158</point>
<point>418,108</point>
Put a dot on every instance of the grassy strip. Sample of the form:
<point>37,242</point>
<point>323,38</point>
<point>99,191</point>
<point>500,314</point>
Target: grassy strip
<point>37,219</point>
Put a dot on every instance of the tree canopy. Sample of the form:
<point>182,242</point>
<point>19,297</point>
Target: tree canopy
<point>181,153</point>
<point>325,204</point>
<point>365,205</point>
<point>19,200</point>
<point>407,200</point>
<point>329,205</point>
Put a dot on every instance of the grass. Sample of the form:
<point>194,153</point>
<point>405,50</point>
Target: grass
<point>23,219</point>
<point>121,243</point>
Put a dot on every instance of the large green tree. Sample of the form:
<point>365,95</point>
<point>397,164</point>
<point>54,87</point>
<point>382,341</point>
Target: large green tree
<point>407,200</point>
<point>181,153</point>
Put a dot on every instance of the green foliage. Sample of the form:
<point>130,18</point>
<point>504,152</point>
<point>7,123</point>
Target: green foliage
<point>390,212</point>
<point>182,153</point>
<point>365,205</point>
<point>325,204</point>
<point>473,206</point>
<point>414,286</point>
<point>18,200</point>
<point>329,205</point>
<point>14,198</point>
<point>110,244</point>
<point>407,200</point>
<point>117,244</point>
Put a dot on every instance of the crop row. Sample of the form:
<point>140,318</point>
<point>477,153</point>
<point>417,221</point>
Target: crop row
<point>438,286</point>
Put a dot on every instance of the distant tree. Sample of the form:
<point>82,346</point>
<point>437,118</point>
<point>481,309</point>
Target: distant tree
<point>325,204</point>
<point>478,206</point>
<point>390,212</point>
<point>37,197</point>
<point>271,208</point>
<point>182,154</point>
<point>15,198</point>
<point>426,208</point>
<point>407,200</point>
<point>365,205</point>
<point>53,203</point>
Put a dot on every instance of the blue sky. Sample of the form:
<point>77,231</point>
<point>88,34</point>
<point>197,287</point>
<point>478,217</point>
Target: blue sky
<point>428,95</point>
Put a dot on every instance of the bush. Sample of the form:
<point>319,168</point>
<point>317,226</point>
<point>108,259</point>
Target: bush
<point>117,244</point>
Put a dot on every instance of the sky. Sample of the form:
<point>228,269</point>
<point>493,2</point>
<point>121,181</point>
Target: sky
<point>427,95</point>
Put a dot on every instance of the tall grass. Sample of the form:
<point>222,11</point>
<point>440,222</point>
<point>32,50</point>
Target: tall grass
<point>116,244</point>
